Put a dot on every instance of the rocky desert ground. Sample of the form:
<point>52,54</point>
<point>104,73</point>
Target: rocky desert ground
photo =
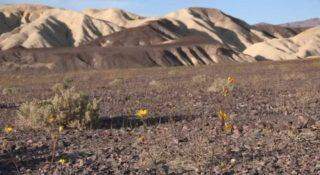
<point>273,109</point>
<point>196,91</point>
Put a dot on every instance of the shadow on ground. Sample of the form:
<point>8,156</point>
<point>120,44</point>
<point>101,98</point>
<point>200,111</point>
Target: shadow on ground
<point>134,122</point>
<point>31,159</point>
<point>34,158</point>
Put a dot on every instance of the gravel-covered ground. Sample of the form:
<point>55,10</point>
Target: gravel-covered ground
<point>274,111</point>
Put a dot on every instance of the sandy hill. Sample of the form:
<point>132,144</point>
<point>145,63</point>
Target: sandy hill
<point>156,43</point>
<point>306,23</point>
<point>57,28</point>
<point>278,31</point>
<point>150,33</point>
<point>186,51</point>
<point>211,23</point>
<point>224,28</point>
<point>304,45</point>
<point>13,16</point>
<point>117,16</point>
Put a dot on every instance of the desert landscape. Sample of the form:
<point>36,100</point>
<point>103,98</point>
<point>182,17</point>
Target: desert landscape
<point>195,91</point>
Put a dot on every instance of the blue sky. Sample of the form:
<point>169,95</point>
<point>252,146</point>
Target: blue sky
<point>252,11</point>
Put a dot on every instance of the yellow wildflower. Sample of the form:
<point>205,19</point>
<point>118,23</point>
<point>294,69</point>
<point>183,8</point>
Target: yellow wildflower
<point>61,128</point>
<point>141,139</point>
<point>231,80</point>
<point>223,116</point>
<point>228,128</point>
<point>142,113</point>
<point>51,119</point>
<point>63,161</point>
<point>8,129</point>
<point>233,161</point>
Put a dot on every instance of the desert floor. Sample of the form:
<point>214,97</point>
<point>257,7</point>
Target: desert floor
<point>274,110</point>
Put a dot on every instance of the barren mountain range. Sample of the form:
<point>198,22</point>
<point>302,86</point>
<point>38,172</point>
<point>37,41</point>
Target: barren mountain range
<point>34,37</point>
<point>306,23</point>
<point>303,45</point>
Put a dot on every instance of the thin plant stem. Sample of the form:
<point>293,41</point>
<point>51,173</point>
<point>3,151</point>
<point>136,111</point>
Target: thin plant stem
<point>14,163</point>
<point>54,143</point>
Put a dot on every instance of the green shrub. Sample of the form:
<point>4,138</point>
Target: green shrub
<point>67,108</point>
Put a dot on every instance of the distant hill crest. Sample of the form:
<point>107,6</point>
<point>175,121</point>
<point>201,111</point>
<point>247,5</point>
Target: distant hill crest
<point>305,23</point>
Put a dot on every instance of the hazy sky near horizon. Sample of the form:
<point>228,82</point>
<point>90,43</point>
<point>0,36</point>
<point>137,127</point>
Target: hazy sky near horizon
<point>252,11</point>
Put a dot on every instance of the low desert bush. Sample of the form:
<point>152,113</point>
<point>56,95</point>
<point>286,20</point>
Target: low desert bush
<point>199,78</point>
<point>68,108</point>
<point>218,85</point>
<point>154,83</point>
<point>116,82</point>
<point>10,90</point>
<point>157,85</point>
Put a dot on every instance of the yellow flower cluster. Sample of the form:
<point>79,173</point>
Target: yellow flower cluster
<point>228,127</point>
<point>51,119</point>
<point>225,120</point>
<point>223,116</point>
<point>141,139</point>
<point>8,129</point>
<point>231,80</point>
<point>61,128</point>
<point>63,161</point>
<point>229,86</point>
<point>142,113</point>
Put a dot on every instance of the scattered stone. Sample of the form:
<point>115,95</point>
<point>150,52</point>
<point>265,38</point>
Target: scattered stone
<point>304,122</point>
<point>307,134</point>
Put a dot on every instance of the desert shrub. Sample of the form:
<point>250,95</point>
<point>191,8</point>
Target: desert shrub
<point>10,90</point>
<point>199,78</point>
<point>67,82</point>
<point>116,82</point>
<point>157,85</point>
<point>173,72</point>
<point>154,83</point>
<point>217,85</point>
<point>68,108</point>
